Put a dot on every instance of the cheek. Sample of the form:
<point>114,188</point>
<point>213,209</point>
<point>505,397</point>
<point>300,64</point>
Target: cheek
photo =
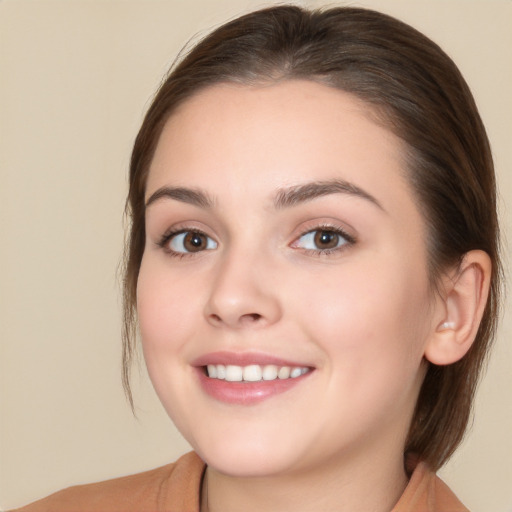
<point>165,307</point>
<point>167,315</point>
<point>372,321</point>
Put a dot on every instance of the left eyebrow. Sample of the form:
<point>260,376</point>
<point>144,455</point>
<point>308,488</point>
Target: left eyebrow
<point>191,196</point>
<point>295,195</point>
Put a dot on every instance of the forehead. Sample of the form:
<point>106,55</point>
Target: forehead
<point>275,136</point>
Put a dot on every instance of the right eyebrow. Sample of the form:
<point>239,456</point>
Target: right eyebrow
<point>195,197</point>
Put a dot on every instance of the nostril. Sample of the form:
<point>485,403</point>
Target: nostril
<point>246,319</point>
<point>254,317</point>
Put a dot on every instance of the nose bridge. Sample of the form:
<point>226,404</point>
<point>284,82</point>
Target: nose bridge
<point>242,292</point>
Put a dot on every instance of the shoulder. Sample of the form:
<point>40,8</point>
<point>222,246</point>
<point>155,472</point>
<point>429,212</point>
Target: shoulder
<point>426,492</point>
<point>166,488</point>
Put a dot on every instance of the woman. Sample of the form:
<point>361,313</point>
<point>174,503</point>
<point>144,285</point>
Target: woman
<point>313,263</point>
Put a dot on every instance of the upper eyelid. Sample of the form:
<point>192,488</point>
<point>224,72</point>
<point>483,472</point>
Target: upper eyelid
<point>328,226</point>
<point>184,227</point>
<point>170,233</point>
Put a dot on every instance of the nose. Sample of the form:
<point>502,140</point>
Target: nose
<point>243,294</point>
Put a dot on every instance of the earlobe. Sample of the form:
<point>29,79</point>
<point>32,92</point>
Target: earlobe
<point>464,299</point>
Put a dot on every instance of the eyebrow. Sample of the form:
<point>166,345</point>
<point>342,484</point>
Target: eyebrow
<point>191,196</point>
<point>285,198</point>
<point>292,196</point>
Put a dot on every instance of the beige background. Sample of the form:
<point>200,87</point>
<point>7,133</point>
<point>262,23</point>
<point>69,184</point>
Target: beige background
<point>75,79</point>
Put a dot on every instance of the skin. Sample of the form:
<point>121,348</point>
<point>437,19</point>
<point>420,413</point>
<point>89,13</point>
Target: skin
<point>362,316</point>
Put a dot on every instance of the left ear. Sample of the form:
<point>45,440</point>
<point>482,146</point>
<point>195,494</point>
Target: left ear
<point>464,296</point>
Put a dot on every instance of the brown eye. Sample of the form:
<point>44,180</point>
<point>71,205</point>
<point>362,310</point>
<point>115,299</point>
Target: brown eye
<point>323,240</point>
<point>326,239</point>
<point>191,242</point>
<point>194,242</point>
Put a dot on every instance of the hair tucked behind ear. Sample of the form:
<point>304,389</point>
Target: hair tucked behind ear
<point>417,92</point>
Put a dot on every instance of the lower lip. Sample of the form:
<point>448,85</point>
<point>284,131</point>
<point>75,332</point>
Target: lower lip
<point>246,393</point>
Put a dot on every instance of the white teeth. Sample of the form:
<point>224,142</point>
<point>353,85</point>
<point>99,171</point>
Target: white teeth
<point>296,372</point>
<point>221,371</point>
<point>254,372</point>
<point>234,373</point>
<point>284,372</point>
<point>270,372</point>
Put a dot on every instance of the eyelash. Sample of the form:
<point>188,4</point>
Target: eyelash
<point>326,228</point>
<point>335,230</point>
<point>169,235</point>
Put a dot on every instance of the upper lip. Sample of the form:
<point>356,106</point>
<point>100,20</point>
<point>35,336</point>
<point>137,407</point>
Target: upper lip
<point>244,359</point>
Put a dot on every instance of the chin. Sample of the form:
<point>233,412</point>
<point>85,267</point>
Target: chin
<point>246,465</point>
<point>249,458</point>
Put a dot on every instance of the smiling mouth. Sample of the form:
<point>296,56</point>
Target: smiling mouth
<point>254,372</point>
<point>248,378</point>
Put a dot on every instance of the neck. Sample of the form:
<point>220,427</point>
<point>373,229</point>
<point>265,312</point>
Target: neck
<point>343,488</point>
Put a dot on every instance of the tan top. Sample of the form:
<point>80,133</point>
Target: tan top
<point>176,488</point>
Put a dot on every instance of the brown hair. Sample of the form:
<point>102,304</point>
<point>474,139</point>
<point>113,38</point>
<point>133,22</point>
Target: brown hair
<point>418,93</point>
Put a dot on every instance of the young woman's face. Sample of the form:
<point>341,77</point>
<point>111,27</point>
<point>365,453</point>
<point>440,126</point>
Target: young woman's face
<point>283,239</point>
